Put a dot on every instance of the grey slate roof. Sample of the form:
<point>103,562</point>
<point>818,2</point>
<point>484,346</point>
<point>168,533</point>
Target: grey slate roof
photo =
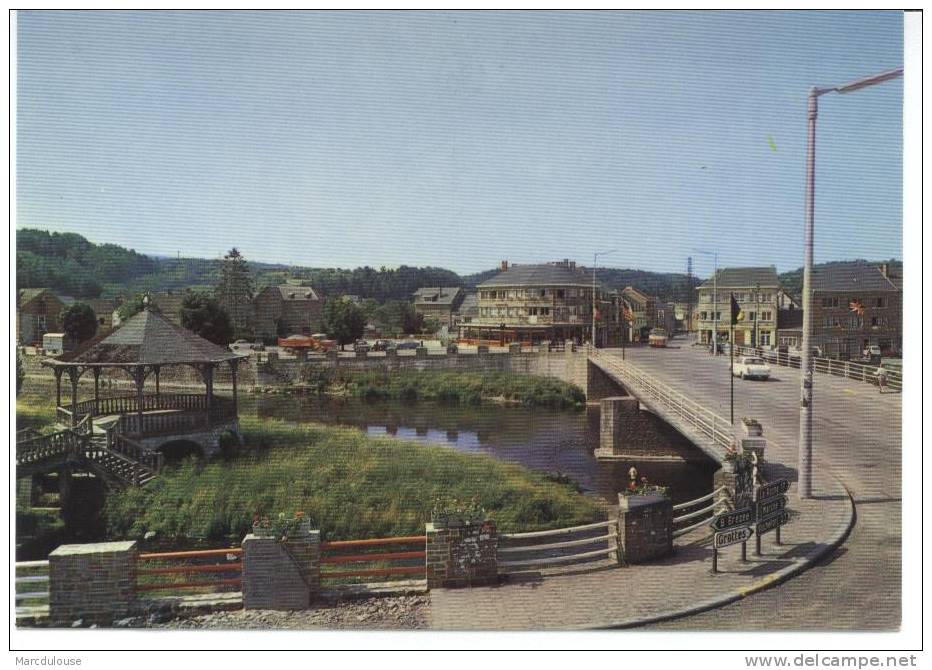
<point>742,277</point>
<point>853,276</point>
<point>542,274</point>
<point>26,295</point>
<point>470,305</point>
<point>444,296</point>
<point>294,293</point>
<point>148,338</point>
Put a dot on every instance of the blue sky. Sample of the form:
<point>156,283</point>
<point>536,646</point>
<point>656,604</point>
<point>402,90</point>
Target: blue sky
<point>459,139</point>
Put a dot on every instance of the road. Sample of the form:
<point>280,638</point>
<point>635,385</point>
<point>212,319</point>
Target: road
<point>857,433</point>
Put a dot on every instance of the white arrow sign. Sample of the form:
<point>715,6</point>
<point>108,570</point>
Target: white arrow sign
<point>732,536</point>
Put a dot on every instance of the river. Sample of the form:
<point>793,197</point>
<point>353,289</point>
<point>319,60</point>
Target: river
<point>542,439</point>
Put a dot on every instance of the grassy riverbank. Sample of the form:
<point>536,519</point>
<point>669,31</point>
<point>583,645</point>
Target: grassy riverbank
<point>351,486</point>
<point>449,387</point>
<point>35,411</point>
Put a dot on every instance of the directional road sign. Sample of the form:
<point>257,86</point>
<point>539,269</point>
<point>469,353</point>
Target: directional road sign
<point>733,536</point>
<point>770,507</point>
<point>740,517</point>
<point>772,489</point>
<point>772,522</point>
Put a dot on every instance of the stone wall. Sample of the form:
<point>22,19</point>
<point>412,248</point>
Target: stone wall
<point>550,364</point>
<point>645,527</point>
<point>462,556</point>
<point>92,582</point>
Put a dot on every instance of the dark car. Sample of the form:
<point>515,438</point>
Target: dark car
<point>381,345</point>
<point>407,344</point>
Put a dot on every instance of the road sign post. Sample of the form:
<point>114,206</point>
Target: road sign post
<point>770,510</point>
<point>732,528</point>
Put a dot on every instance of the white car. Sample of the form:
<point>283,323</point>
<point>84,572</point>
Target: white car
<point>750,367</point>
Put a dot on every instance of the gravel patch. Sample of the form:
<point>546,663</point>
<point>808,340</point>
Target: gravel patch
<point>386,613</point>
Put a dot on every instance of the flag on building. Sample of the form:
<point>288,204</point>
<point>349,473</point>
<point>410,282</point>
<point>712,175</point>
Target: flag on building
<point>628,314</point>
<point>856,306</point>
<point>736,313</point>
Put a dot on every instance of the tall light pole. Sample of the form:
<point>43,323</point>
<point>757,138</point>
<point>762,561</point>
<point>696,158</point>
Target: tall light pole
<point>806,378</point>
<point>595,259</point>
<point>714,255</point>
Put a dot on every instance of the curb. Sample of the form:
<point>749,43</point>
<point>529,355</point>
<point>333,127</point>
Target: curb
<point>771,580</point>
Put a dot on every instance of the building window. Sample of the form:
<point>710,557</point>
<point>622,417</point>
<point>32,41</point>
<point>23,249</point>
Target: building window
<point>830,302</point>
<point>765,339</point>
<point>874,322</point>
<point>880,303</point>
<point>545,311</point>
<point>751,316</point>
<point>766,316</point>
<point>561,293</point>
<point>702,316</point>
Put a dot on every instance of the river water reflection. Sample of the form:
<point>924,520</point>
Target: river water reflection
<point>545,440</point>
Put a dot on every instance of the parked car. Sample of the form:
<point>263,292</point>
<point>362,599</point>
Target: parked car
<point>362,347</point>
<point>240,344</point>
<point>406,344</point>
<point>381,345</point>
<point>751,367</point>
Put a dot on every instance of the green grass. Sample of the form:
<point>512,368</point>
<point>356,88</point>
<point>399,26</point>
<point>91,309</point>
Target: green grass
<point>450,387</point>
<point>350,485</point>
<point>35,411</point>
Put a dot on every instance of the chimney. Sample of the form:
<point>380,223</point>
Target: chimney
<point>885,270</point>
<point>504,265</point>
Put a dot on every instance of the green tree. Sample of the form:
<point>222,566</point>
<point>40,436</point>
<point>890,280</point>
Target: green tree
<point>344,321</point>
<point>202,314</point>
<point>79,321</point>
<point>133,306</point>
<point>234,292</point>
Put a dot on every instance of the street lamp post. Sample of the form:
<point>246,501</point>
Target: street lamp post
<point>595,260</point>
<point>805,404</point>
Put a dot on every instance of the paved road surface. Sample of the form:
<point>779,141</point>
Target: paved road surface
<point>857,432</point>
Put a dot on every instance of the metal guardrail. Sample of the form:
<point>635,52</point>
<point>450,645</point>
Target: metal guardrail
<point>382,563</point>
<point>169,571</point>
<point>717,429</point>
<point>719,497</point>
<point>33,599</point>
<point>609,537</point>
<point>829,366</point>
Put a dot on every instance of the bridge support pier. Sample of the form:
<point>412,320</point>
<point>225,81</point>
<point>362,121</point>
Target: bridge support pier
<point>627,431</point>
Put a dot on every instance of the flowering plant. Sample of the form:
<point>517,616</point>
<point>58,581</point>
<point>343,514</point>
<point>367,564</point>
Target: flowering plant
<point>282,527</point>
<point>643,487</point>
<point>453,512</point>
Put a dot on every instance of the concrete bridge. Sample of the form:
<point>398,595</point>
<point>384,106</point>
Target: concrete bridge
<point>633,401</point>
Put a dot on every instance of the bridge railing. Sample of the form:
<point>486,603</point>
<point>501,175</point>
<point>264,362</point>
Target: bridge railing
<point>829,366</point>
<point>717,429</point>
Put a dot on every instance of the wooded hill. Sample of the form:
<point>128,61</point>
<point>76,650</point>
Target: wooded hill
<point>71,265</point>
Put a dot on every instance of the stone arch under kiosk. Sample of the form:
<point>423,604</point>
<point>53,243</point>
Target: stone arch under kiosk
<point>178,450</point>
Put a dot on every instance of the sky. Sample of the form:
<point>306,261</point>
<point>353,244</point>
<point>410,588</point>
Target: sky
<point>458,139</point>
